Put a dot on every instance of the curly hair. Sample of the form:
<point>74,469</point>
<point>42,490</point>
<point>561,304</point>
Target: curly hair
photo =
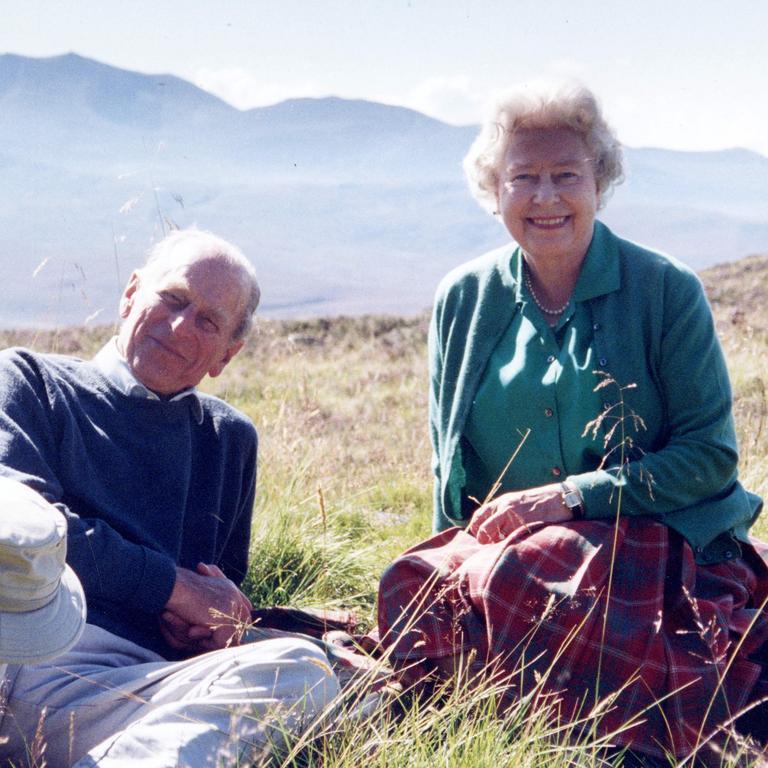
<point>530,107</point>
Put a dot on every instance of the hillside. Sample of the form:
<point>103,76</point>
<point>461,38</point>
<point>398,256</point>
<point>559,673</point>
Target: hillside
<point>740,287</point>
<point>345,206</point>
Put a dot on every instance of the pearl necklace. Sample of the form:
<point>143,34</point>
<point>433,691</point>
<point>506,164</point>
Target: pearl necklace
<point>545,310</point>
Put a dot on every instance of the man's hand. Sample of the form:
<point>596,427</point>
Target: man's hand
<point>495,520</point>
<point>205,611</point>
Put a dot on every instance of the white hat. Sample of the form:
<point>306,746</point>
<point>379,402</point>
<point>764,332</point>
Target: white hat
<point>42,605</point>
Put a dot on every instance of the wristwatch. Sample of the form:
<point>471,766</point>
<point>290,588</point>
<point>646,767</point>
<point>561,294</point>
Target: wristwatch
<point>572,499</point>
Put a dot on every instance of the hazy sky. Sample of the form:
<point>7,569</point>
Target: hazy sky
<point>684,74</point>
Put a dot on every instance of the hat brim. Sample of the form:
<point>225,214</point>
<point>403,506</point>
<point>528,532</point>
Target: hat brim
<point>41,635</point>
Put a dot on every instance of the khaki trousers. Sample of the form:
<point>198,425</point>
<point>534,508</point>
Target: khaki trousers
<point>109,702</point>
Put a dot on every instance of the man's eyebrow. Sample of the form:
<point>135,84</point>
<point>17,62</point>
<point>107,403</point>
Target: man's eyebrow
<point>215,314</point>
<point>175,287</point>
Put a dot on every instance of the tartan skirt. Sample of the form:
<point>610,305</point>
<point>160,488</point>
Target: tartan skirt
<point>612,622</point>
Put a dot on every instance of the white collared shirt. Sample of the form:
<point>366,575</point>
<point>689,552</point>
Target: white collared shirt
<point>112,364</point>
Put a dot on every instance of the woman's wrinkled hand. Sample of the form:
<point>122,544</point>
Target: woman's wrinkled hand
<point>503,515</point>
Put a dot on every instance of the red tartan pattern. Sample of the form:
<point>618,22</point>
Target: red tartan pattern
<point>672,626</point>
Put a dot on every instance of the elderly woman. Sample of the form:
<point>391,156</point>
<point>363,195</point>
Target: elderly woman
<point>581,422</point>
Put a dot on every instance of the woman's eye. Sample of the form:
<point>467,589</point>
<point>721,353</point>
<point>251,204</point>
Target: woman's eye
<point>567,177</point>
<point>520,181</point>
<point>209,325</point>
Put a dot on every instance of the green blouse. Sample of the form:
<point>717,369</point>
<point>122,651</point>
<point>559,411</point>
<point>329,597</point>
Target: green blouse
<point>551,372</point>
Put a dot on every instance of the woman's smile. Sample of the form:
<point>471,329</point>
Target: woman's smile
<point>549,223</point>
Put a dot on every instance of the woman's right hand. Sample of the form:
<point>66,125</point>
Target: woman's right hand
<point>503,515</point>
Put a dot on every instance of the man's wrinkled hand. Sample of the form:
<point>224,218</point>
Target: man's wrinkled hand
<point>181,635</point>
<point>206,611</point>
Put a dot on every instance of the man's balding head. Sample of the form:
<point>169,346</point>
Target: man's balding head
<point>187,311</point>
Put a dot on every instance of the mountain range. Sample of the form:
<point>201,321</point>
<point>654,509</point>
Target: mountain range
<point>344,206</point>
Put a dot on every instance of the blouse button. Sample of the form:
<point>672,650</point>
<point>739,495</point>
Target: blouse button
<point>596,327</point>
<point>551,359</point>
<point>603,361</point>
<point>548,412</point>
<point>556,471</point>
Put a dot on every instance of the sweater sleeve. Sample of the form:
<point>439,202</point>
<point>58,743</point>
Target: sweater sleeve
<point>110,567</point>
<point>234,559</point>
<point>698,458</point>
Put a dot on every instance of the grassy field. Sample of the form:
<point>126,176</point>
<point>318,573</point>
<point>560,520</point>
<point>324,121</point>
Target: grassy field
<point>344,486</point>
<point>739,296</point>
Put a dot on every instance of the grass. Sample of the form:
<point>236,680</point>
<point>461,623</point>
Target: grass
<point>738,294</point>
<point>344,486</point>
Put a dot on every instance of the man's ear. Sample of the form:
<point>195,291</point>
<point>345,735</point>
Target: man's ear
<point>232,350</point>
<point>126,300</point>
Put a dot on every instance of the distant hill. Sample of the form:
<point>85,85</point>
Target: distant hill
<point>344,206</point>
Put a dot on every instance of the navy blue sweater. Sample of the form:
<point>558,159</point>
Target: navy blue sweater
<point>144,486</point>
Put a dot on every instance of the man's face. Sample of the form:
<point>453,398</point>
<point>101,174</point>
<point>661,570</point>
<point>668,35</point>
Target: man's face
<point>178,325</point>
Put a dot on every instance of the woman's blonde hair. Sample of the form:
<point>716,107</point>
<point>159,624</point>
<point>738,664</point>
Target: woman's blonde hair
<point>529,107</point>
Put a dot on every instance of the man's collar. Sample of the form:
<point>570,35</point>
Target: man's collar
<point>110,362</point>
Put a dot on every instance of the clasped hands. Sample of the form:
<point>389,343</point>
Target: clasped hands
<point>496,519</point>
<point>205,611</point>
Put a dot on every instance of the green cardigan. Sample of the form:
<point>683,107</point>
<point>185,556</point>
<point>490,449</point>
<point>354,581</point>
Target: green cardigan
<point>654,335</point>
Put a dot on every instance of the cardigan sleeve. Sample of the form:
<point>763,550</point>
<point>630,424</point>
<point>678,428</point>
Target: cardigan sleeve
<point>435,353</point>
<point>695,459</point>
<point>473,306</point>
<point>109,566</point>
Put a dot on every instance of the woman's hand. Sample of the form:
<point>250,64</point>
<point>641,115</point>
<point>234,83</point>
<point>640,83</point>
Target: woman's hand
<point>495,520</point>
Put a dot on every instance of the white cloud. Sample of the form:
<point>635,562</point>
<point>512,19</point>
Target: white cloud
<point>245,89</point>
<point>460,99</point>
<point>453,99</point>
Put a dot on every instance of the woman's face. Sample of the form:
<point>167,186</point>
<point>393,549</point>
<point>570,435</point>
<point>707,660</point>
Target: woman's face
<point>547,193</point>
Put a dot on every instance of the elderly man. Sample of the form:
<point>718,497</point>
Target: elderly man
<point>157,483</point>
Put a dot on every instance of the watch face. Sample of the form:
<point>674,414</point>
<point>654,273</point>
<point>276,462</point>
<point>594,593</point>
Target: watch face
<point>571,499</point>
